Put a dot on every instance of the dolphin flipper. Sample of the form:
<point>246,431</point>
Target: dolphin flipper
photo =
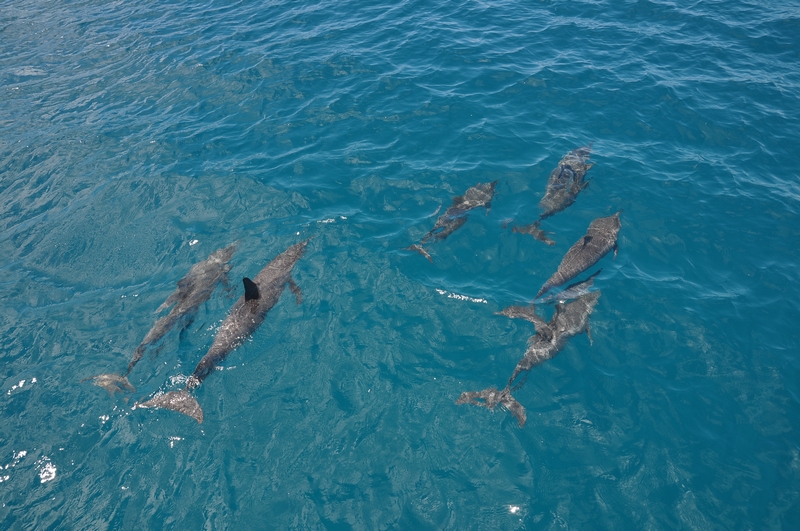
<point>180,401</point>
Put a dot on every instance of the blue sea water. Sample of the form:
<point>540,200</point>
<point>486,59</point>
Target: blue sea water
<point>138,137</point>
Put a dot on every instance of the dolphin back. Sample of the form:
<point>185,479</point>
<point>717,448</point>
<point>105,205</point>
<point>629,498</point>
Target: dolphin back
<point>198,284</point>
<point>566,181</point>
<point>455,216</point>
<point>600,238</point>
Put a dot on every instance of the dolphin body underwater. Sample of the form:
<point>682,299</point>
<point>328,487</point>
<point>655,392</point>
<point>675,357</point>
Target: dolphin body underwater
<point>569,320</point>
<point>455,216</point>
<point>565,183</point>
<point>600,238</point>
<point>193,290</point>
<point>573,291</point>
<point>246,315</point>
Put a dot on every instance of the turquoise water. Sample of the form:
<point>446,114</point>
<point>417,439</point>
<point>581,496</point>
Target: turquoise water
<point>138,137</point>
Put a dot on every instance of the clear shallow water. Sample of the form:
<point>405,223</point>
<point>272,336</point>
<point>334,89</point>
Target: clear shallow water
<point>137,139</point>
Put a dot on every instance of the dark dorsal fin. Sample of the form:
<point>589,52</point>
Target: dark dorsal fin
<point>250,290</point>
<point>586,240</point>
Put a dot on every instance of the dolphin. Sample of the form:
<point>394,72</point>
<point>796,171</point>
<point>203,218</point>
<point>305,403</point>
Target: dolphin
<point>569,320</point>
<point>455,216</point>
<point>600,238</point>
<point>534,230</point>
<point>193,290</point>
<point>565,183</point>
<point>246,315</point>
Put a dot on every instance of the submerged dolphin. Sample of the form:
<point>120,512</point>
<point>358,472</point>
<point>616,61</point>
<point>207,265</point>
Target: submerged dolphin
<point>246,315</point>
<point>600,238</point>
<point>565,183</point>
<point>573,291</point>
<point>193,290</point>
<point>534,230</point>
<point>454,217</point>
<point>569,320</point>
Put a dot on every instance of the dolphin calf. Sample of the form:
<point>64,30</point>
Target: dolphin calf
<point>534,230</point>
<point>565,183</point>
<point>455,216</point>
<point>193,290</point>
<point>600,238</point>
<point>246,315</point>
<point>569,320</point>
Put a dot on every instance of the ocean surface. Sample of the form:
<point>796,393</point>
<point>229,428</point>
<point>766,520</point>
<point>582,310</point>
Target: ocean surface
<point>136,138</point>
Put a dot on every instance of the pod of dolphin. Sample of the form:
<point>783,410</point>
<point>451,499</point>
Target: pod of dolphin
<point>573,306</point>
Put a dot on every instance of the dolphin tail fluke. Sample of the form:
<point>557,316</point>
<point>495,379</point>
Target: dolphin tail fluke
<point>524,312</point>
<point>491,397</point>
<point>180,401</point>
<point>113,383</point>
<point>421,250</point>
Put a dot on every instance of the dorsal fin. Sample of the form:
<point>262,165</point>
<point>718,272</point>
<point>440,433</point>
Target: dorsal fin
<point>586,240</point>
<point>250,290</point>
